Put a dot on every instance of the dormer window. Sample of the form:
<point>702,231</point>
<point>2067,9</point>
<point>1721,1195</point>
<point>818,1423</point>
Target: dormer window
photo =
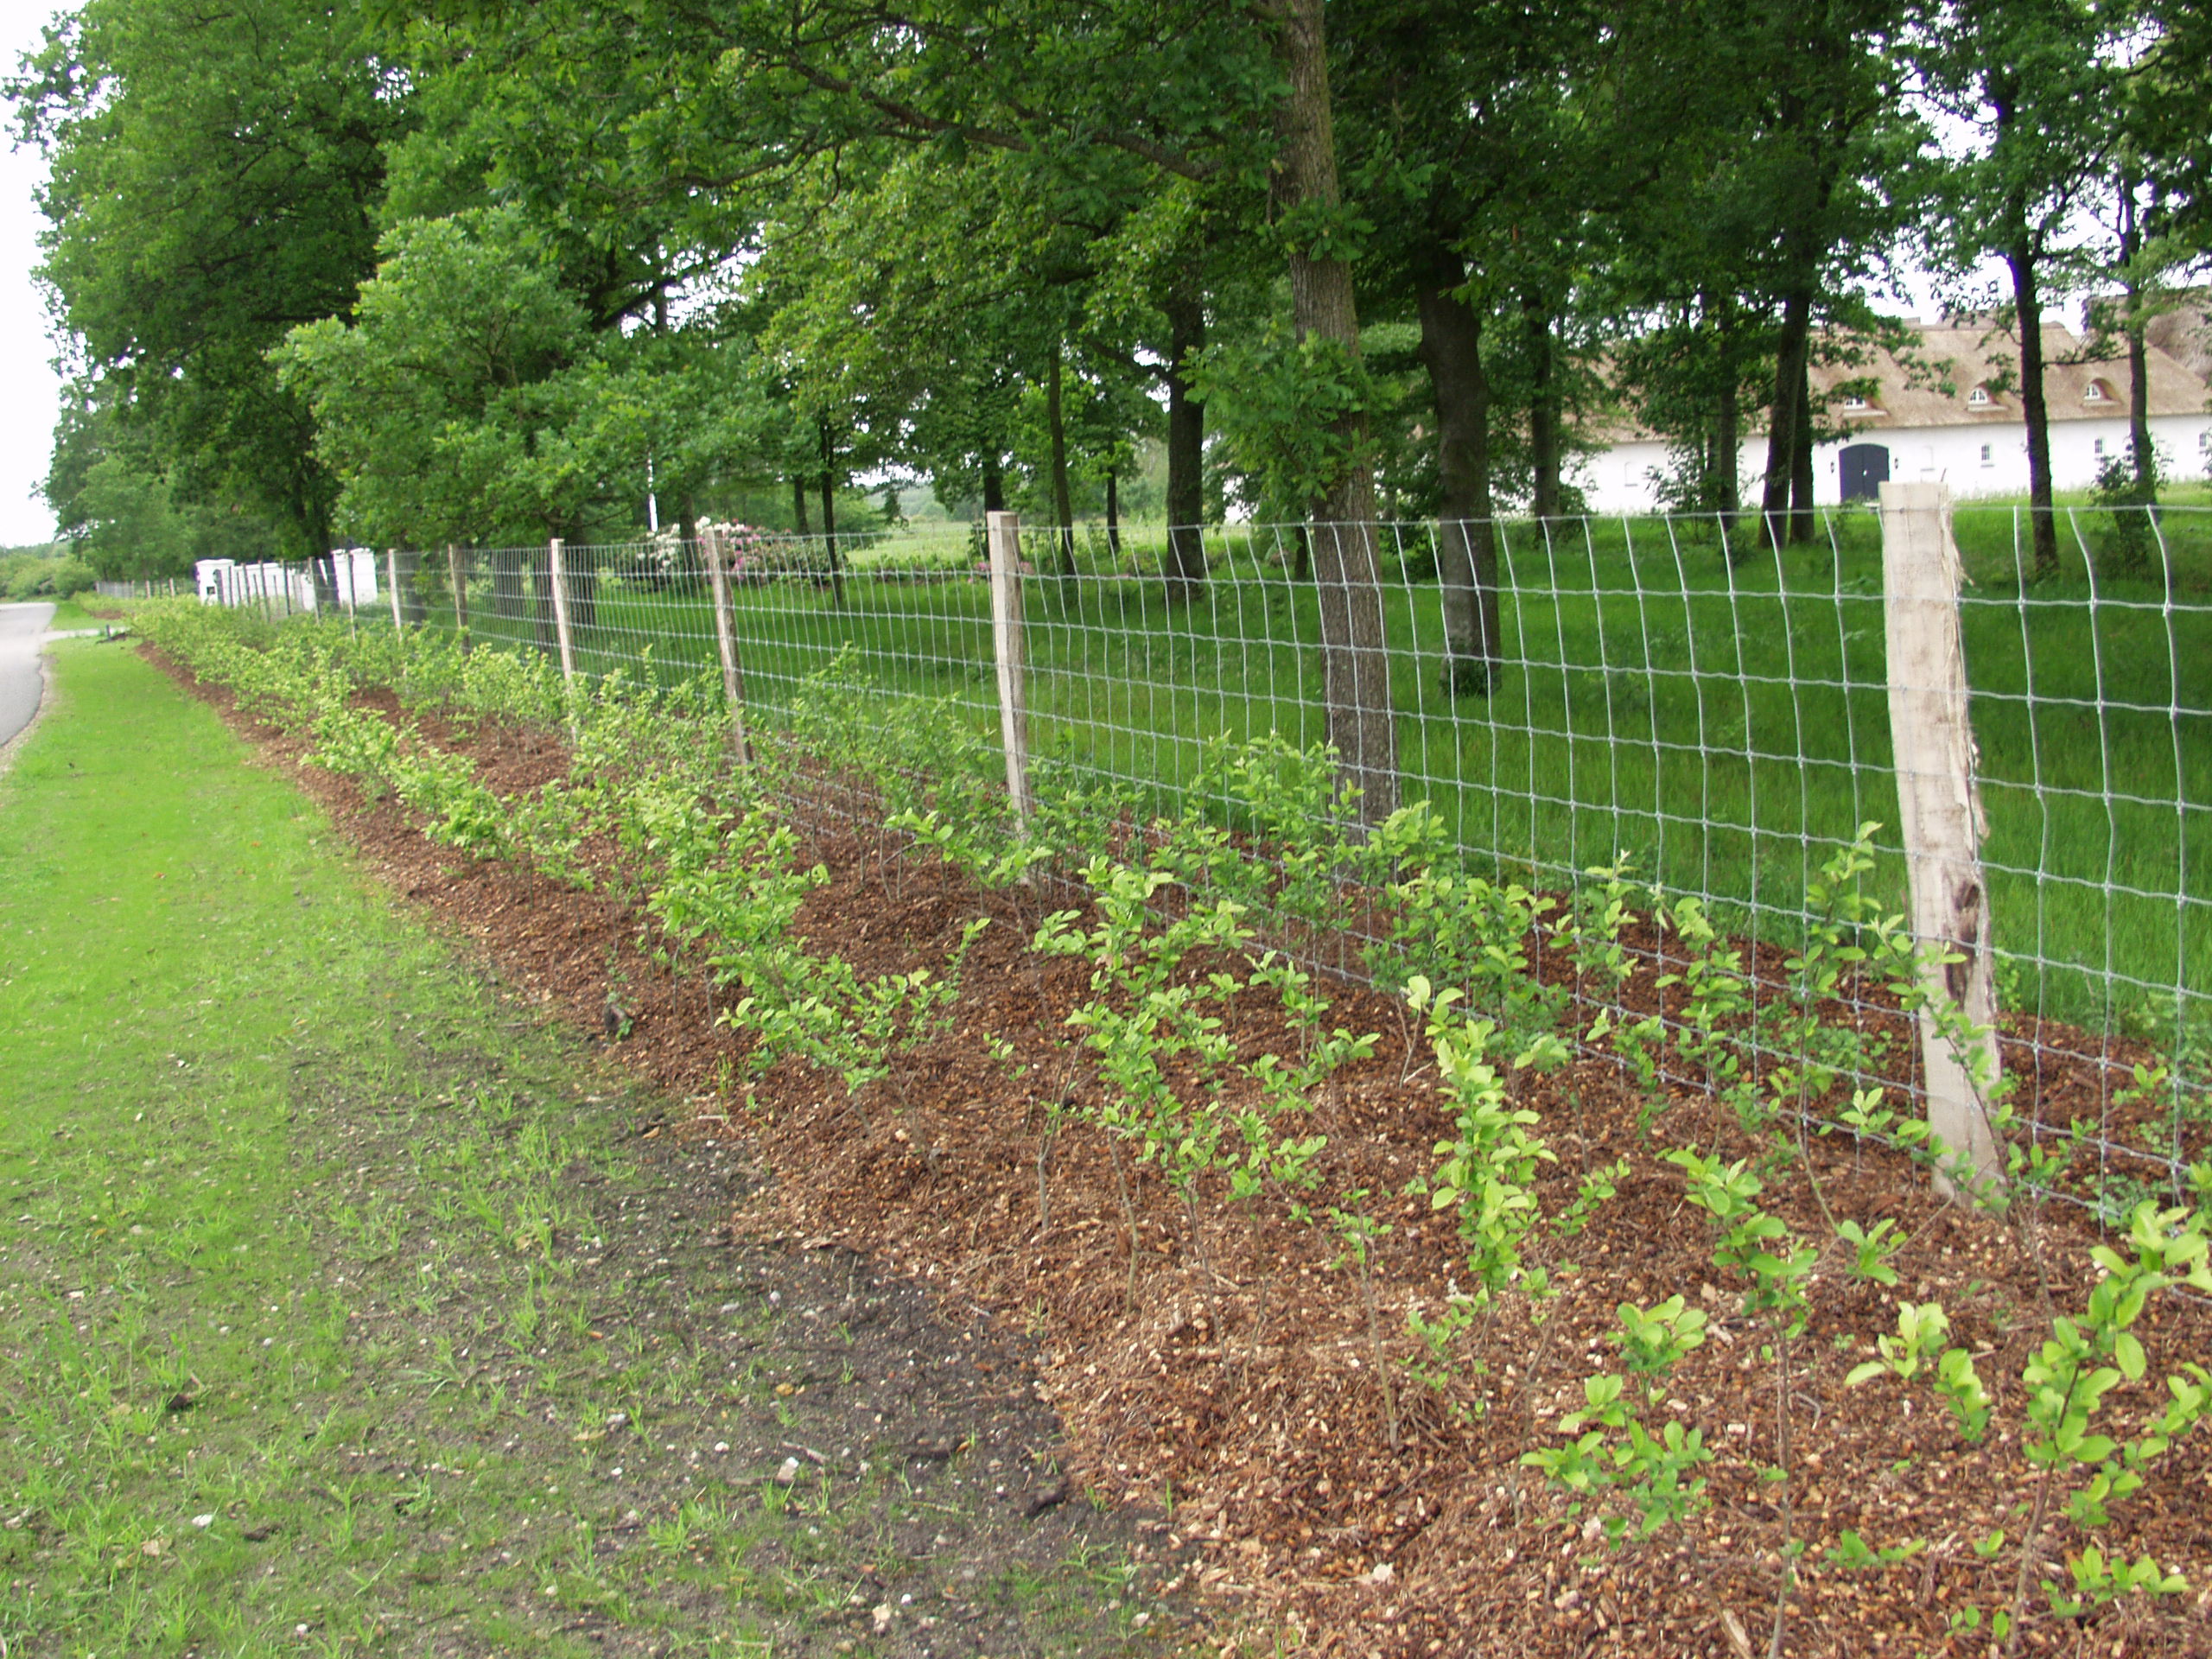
<point>2099,392</point>
<point>1853,403</point>
<point>1979,399</point>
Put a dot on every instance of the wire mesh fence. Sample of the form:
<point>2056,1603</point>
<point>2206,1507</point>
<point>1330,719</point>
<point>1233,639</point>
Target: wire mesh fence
<point>142,587</point>
<point>1655,703</point>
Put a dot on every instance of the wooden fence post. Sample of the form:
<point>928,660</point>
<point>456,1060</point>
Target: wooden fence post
<point>1003,533</point>
<point>391,579</point>
<point>1939,814</point>
<point>459,578</point>
<point>560,583</point>
<point>710,544</point>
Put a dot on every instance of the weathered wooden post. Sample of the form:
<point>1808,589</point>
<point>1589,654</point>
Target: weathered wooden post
<point>458,575</point>
<point>392,581</point>
<point>1939,814</point>
<point>560,586</point>
<point>1003,531</point>
<point>710,544</point>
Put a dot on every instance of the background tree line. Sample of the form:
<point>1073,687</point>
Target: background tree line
<point>411,271</point>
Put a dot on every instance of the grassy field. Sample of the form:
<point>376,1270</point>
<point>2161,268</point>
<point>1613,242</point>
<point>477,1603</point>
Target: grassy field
<point>1723,728</point>
<point>72,614</point>
<point>340,1312</point>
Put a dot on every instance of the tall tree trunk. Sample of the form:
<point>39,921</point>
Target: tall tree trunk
<point>1728,433</point>
<point>1187,441</point>
<point>1781,416</point>
<point>1543,407</point>
<point>1354,654</point>
<point>1113,512</point>
<point>1063,497</point>
<point>994,484</point>
<point>1451,348</point>
<point>2140,455</point>
<point>2138,411</point>
<point>799,504</point>
<point>1802,522</point>
<point>2035,408</point>
<point>830,518</point>
<point>2021,256</point>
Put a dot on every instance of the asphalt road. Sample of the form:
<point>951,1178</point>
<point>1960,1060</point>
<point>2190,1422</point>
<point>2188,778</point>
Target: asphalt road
<point>21,681</point>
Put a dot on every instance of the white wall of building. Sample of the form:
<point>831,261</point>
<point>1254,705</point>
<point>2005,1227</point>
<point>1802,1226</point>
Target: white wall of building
<point>1974,460</point>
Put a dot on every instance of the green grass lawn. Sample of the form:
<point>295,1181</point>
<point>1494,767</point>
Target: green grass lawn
<point>316,1332</point>
<point>1723,728</point>
<point>72,614</point>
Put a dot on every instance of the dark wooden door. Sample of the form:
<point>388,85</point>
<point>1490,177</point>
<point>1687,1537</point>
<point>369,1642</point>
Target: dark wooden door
<point>1866,469</point>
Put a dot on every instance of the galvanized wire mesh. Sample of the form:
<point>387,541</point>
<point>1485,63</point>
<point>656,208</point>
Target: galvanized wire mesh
<point>142,587</point>
<point>1713,723</point>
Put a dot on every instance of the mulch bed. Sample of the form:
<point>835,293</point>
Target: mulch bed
<point>1239,1386</point>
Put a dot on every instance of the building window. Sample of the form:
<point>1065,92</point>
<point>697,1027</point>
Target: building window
<point>1853,403</point>
<point>2101,445</point>
<point>1979,398</point>
<point>1988,455</point>
<point>2099,392</point>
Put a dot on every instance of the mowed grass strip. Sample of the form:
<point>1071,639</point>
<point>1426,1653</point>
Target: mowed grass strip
<point>315,1333</point>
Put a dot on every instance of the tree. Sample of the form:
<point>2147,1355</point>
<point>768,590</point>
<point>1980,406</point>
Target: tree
<point>2140,263</point>
<point>2172,86</point>
<point>216,169</point>
<point>115,507</point>
<point>1451,118</point>
<point>1319,235</point>
<point>2035,82</point>
<point>1824,145</point>
<point>1184,88</point>
<point>2155,234</point>
<point>441,408</point>
<point>1168,259</point>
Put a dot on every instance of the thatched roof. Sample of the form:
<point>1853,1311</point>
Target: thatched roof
<point>1968,374</point>
<point>1936,382</point>
<point>2184,333</point>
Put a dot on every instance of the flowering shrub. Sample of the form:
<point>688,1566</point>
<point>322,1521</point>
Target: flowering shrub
<point>751,556</point>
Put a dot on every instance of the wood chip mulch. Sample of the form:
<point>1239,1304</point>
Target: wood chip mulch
<point>1238,1386</point>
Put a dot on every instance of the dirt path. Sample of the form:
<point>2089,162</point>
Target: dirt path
<point>768,1426</point>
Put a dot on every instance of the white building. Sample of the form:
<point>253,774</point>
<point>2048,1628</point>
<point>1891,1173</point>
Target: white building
<point>1971,436</point>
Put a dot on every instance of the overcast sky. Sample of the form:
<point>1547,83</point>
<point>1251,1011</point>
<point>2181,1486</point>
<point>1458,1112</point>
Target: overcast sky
<point>30,389</point>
